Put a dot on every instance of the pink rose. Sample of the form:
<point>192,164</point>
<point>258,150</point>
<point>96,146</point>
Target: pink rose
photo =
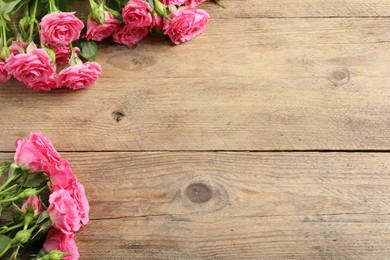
<point>158,22</point>
<point>135,14</point>
<point>80,76</point>
<point>63,54</point>
<point>63,212</point>
<point>18,43</point>
<point>130,35</point>
<point>173,2</point>
<point>59,29</point>
<point>99,32</point>
<point>187,23</point>
<point>34,203</point>
<point>61,175</point>
<point>30,67</point>
<point>44,85</point>
<point>194,3</point>
<point>56,240</point>
<point>4,75</point>
<point>77,191</point>
<point>35,152</point>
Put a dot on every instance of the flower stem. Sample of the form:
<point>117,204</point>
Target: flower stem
<point>32,20</point>
<point>10,179</point>
<point>5,250</point>
<point>11,228</point>
<point>10,188</point>
<point>52,6</point>
<point>3,31</point>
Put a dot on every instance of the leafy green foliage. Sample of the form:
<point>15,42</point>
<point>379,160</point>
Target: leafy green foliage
<point>4,242</point>
<point>8,6</point>
<point>34,180</point>
<point>88,50</point>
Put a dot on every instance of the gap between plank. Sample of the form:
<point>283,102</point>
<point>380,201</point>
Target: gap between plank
<point>227,151</point>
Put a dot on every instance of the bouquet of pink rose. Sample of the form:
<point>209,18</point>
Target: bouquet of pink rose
<point>64,42</point>
<point>42,199</point>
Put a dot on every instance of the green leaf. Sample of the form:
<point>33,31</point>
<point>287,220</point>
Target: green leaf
<point>151,2</point>
<point>7,7</point>
<point>33,180</point>
<point>31,47</point>
<point>88,50</point>
<point>4,242</point>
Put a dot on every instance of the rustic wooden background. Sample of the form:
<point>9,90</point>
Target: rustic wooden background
<point>266,137</point>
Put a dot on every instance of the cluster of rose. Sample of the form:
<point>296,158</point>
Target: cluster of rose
<point>64,50</point>
<point>43,202</point>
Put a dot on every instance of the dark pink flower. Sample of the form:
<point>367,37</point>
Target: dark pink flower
<point>77,191</point>
<point>4,75</point>
<point>80,76</point>
<point>194,3</point>
<point>60,29</point>
<point>44,85</point>
<point>173,2</point>
<point>61,175</point>
<point>63,211</point>
<point>63,54</point>
<point>186,24</point>
<point>35,152</point>
<point>99,32</point>
<point>57,240</point>
<point>135,14</point>
<point>30,67</point>
<point>34,203</point>
<point>16,45</point>
<point>130,35</point>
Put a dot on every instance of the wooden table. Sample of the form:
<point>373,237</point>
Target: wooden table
<point>266,137</point>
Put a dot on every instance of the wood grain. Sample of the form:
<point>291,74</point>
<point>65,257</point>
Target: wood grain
<point>287,8</point>
<point>209,205</point>
<point>245,84</point>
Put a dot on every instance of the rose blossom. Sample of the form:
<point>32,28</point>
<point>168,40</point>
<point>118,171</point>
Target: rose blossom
<point>59,29</point>
<point>99,32</point>
<point>33,202</point>
<point>173,2</point>
<point>158,22</point>
<point>135,14</point>
<point>186,24</point>
<point>61,175</point>
<point>35,152</point>
<point>63,212</point>
<point>63,54</point>
<point>18,43</point>
<point>30,67</point>
<point>4,75</point>
<point>77,192</point>
<point>194,3</point>
<point>56,240</point>
<point>130,35</point>
<point>80,76</point>
<point>44,85</point>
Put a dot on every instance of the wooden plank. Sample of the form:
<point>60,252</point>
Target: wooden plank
<point>218,205</point>
<point>245,84</point>
<point>288,8</point>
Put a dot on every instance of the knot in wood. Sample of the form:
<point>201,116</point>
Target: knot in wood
<point>339,76</point>
<point>198,193</point>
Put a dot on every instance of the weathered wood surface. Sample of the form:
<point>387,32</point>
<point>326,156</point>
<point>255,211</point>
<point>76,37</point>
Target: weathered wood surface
<point>314,78</point>
<point>245,84</point>
<point>288,8</point>
<point>184,205</point>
